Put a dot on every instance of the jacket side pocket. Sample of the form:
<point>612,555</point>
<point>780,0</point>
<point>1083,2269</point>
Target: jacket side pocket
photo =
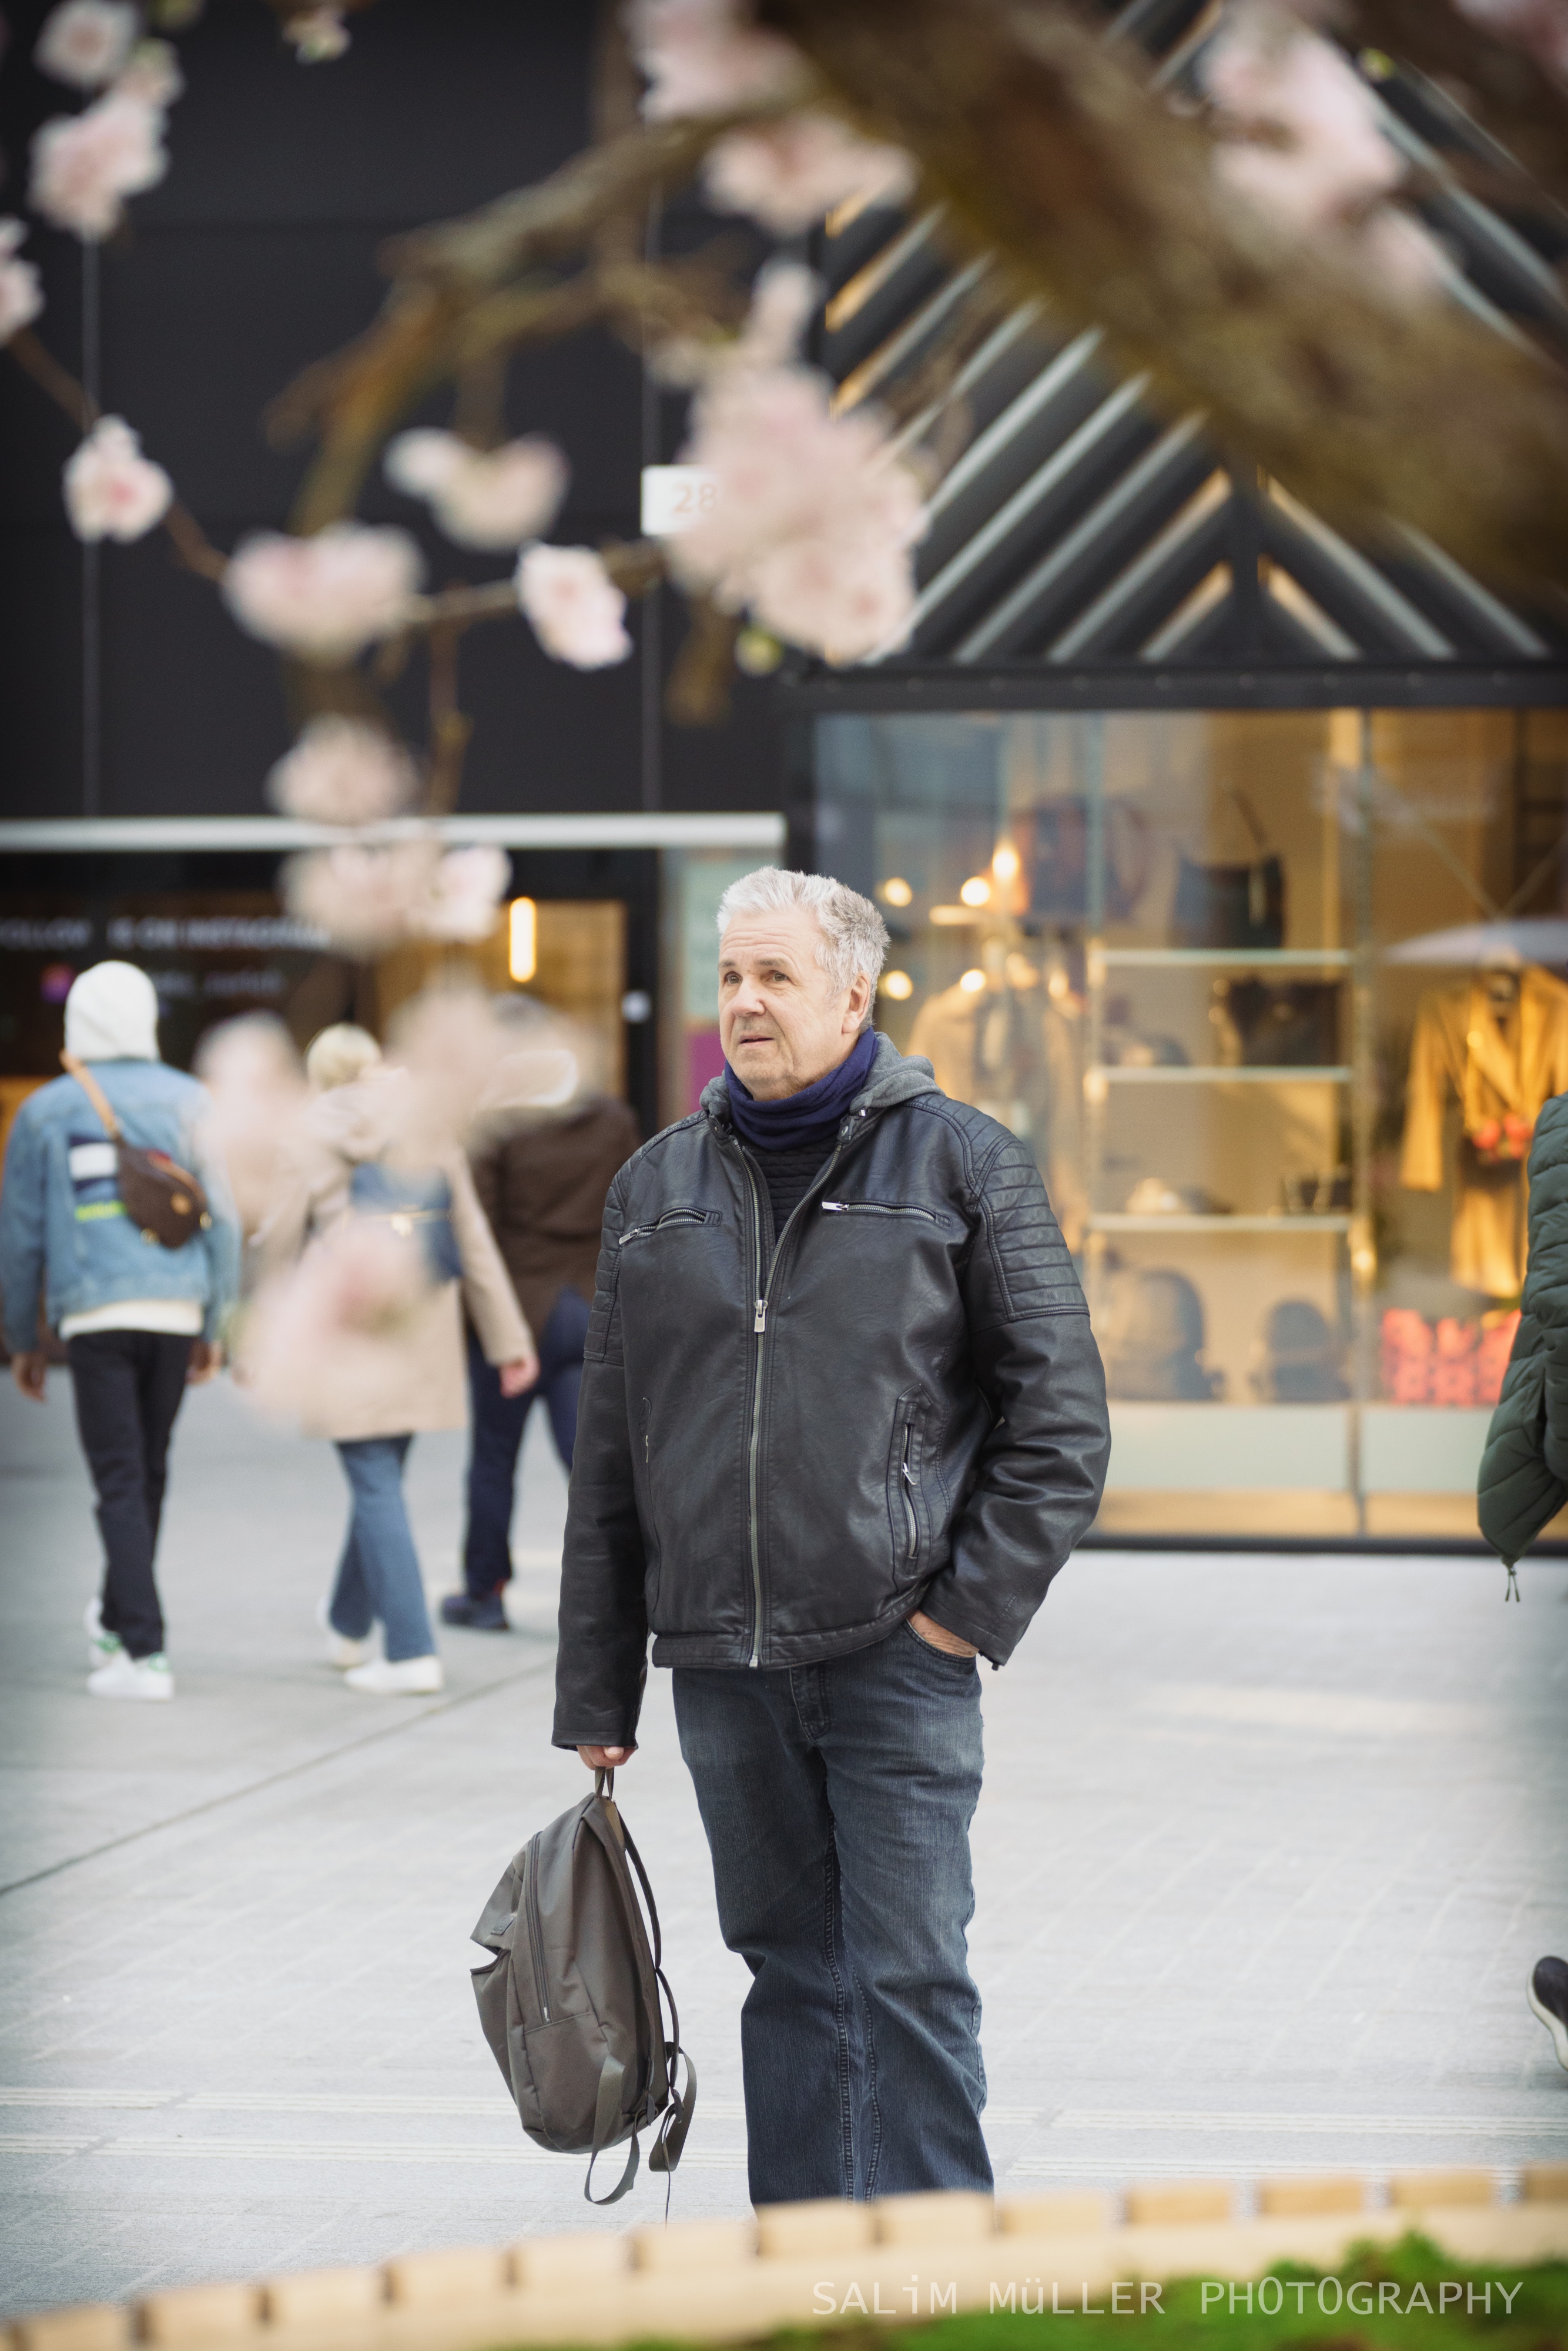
<point>908,1516</point>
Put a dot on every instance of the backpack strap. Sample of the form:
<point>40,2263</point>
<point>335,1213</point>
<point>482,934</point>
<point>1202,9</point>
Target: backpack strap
<point>672,2135</point>
<point>606,2115</point>
<point>89,1085</point>
<point>677,2121</point>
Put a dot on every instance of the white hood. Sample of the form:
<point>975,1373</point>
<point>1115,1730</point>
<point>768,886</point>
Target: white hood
<point>112,1015</point>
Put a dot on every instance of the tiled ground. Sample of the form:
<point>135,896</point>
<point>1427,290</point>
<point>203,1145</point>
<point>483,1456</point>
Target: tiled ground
<point>1266,1848</point>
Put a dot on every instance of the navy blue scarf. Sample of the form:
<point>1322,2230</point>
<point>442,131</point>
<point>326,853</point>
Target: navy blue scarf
<point>801,1118</point>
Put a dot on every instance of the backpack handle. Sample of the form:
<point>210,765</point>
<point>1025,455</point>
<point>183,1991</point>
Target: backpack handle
<point>605,1781</point>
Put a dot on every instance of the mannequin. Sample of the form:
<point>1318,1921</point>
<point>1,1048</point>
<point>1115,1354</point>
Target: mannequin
<point>1008,1050</point>
<point>1497,1042</point>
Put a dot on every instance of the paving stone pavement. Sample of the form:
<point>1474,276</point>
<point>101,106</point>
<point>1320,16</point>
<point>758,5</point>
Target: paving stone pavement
<point>1266,1848</point>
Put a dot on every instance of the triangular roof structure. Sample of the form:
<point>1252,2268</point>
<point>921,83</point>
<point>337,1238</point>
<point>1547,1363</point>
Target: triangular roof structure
<point>1083,532</point>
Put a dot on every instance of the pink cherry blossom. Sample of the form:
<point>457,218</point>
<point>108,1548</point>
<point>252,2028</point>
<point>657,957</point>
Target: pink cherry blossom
<point>21,296</point>
<point>315,1336</point>
<point>318,36</point>
<point>1304,145</point>
<point>482,498</point>
<point>112,491</point>
<point>576,611</point>
<point>1539,25</point>
<point>814,518</point>
<point>783,297</point>
<point>326,597</point>
<point>362,896</point>
<point>152,75</point>
<point>86,42</point>
<point>343,771</point>
<point>256,1089</point>
<point>787,174</point>
<point>85,166</point>
<point>701,56</point>
<point>465,889</point>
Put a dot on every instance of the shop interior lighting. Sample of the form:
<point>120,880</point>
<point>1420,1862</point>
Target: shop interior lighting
<point>896,892</point>
<point>898,985</point>
<point>972,982</point>
<point>976,891</point>
<point>1005,863</point>
<point>522,939</point>
<point>949,915</point>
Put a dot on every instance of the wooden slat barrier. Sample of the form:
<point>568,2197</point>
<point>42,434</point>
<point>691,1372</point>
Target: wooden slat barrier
<point>906,2257</point>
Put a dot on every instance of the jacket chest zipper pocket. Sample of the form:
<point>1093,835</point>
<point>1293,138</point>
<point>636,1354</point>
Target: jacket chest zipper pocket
<point>875,1208</point>
<point>671,1217</point>
<point>536,1934</point>
<point>905,1484</point>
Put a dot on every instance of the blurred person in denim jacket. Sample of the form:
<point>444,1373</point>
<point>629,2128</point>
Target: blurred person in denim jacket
<point>140,1322</point>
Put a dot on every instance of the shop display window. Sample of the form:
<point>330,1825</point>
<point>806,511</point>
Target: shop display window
<point>1275,997</point>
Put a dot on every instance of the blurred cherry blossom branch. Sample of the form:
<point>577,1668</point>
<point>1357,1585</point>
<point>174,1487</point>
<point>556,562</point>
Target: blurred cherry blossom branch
<point>194,547</point>
<point>1054,154</point>
<point>1509,92</point>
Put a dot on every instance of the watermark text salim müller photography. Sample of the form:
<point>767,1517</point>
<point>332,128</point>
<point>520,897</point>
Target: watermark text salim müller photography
<point>1141,2297</point>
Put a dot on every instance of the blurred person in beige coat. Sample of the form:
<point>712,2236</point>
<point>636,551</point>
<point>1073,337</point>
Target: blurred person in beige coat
<point>414,1376</point>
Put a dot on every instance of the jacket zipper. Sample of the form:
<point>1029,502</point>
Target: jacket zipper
<point>760,1329</point>
<point>873,1209</point>
<point>535,1930</point>
<point>908,1475</point>
<point>673,1216</point>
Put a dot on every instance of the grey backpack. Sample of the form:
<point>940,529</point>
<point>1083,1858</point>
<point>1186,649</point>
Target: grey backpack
<point>569,2004</point>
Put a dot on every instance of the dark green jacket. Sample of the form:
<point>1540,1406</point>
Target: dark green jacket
<point>1524,1469</point>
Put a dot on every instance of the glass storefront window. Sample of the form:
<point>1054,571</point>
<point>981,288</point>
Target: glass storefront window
<point>1275,997</point>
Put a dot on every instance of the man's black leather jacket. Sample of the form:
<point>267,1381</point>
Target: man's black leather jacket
<point>781,1453</point>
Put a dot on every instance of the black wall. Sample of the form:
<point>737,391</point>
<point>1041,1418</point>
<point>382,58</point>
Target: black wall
<point>256,256</point>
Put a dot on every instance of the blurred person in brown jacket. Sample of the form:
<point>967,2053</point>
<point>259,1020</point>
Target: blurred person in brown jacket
<point>542,1185</point>
<point>341,1167</point>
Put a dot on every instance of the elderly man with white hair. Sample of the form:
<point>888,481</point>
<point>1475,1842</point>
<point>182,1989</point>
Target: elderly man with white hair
<point>842,1420</point>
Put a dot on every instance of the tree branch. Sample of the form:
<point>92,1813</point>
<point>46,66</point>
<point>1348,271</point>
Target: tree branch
<point>194,547</point>
<point>1515,100</point>
<point>558,218</point>
<point>1053,154</point>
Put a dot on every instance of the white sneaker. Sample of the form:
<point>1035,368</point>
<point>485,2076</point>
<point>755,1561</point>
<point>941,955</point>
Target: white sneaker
<point>100,1646</point>
<point>340,1651</point>
<point>407,1677</point>
<point>128,1677</point>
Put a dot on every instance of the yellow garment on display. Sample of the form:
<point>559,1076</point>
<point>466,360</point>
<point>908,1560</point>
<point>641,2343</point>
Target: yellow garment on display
<point>1009,1052</point>
<point>1502,1071</point>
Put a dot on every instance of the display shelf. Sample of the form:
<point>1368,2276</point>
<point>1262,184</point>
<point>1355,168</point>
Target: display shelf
<point>1226,958</point>
<point>1180,1222</point>
<point>1211,1073</point>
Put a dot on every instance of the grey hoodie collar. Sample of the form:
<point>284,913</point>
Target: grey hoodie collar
<point>894,1077</point>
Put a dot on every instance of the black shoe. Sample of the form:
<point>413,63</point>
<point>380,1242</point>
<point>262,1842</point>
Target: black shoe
<point>1549,1999</point>
<point>483,1615</point>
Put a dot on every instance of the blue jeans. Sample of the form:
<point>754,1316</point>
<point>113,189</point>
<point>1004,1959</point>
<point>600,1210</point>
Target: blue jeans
<point>378,1575</point>
<point>837,1799</point>
<point>496,1426</point>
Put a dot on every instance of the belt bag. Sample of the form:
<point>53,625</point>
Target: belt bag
<point>416,1206</point>
<point>160,1197</point>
